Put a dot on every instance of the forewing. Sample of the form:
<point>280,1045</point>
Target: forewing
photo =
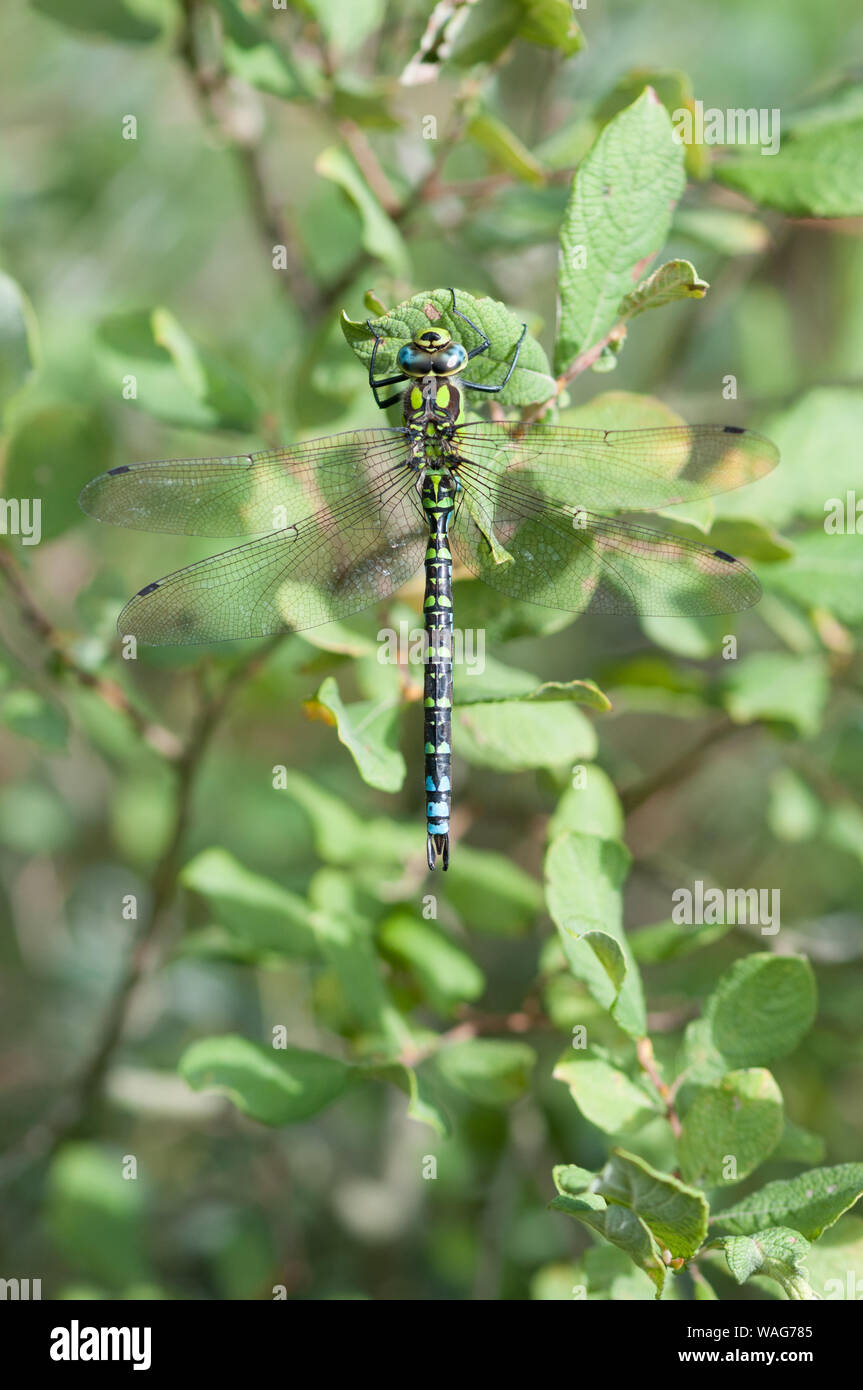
<point>574,559</point>
<point>248,494</point>
<point>619,470</point>
<point>337,562</point>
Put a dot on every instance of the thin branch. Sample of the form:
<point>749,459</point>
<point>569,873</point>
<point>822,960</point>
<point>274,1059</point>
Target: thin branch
<point>209,85</point>
<point>158,737</point>
<point>647,1062</point>
<point>635,796</point>
<point>45,1137</point>
<point>371,168</point>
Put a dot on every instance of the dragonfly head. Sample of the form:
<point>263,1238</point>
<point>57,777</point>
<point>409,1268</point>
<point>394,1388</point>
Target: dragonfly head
<point>431,352</point>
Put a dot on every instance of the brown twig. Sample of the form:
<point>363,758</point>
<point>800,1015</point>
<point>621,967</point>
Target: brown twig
<point>647,1062</point>
<point>44,1138</point>
<point>635,796</point>
<point>209,86</point>
<point>158,737</point>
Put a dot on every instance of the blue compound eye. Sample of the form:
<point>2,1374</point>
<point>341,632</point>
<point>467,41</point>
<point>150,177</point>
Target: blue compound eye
<point>412,361</point>
<point>450,360</point>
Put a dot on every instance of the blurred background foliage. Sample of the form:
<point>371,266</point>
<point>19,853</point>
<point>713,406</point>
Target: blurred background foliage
<point>164,884</point>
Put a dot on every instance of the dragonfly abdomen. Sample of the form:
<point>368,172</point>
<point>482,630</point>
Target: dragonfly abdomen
<point>438,497</point>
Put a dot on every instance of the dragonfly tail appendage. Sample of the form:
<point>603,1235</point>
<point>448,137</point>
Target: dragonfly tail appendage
<point>437,846</point>
<point>438,495</point>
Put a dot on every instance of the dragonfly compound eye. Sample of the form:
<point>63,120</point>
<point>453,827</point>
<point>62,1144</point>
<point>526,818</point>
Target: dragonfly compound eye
<point>414,361</point>
<point>449,360</point>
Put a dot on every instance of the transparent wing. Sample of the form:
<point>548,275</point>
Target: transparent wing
<point>338,561</point>
<point>566,557</point>
<point>620,470</point>
<point>248,494</point>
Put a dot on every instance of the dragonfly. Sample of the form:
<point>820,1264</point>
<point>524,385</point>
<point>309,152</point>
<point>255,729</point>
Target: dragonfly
<point>342,522</point>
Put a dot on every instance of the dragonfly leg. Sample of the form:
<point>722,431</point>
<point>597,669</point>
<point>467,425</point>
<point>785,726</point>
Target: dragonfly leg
<point>475,386</point>
<point>384,380</point>
<point>480,347</point>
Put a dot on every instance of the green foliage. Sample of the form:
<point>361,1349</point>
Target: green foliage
<point>273,1087</point>
<point>214,859</point>
<point>777,1253</point>
<point>618,216</point>
<point>529,382</point>
<point>818,173</point>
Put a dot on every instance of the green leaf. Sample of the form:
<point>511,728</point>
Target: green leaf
<point>570,1180</point>
<point>799,1145</point>
<point>253,909</point>
<point>110,19</point>
<point>340,835</point>
<point>512,735</point>
<point>722,229</point>
<point>603,1094</point>
<point>504,148</point>
<point>421,1086</point>
<point>347,24</point>
<point>447,974</point>
<point>50,457</point>
<point>29,714</point>
<point>674,90</point>
<point>750,538</point>
<point>581,692</point>
<point>617,219</point>
<point>369,730</point>
<point>551,24</point>
<point>345,937</point>
<point>19,339</point>
<point>493,681</point>
<point>777,1253</point>
<point>741,1119</point>
<point>590,804</point>
<point>674,280</point>
<point>704,1292</point>
<point>273,1086</point>
<point>366,103</point>
<point>778,686</point>
<point>818,173</point>
<point>492,894</point>
<point>676,1214</point>
<point>491,1071</point>
<point>173,379</point>
<point>250,55</point>
<point>531,380</point>
<point>835,1264</point>
<point>95,1215</point>
<point>669,940</point>
<point>34,819</point>
<point>584,876</point>
<point>380,236</point>
<point>825,572</point>
<point>479,33</point>
<point>619,1226</point>
<point>761,1008</point>
<point>826,421</point>
<point>808,1203</point>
